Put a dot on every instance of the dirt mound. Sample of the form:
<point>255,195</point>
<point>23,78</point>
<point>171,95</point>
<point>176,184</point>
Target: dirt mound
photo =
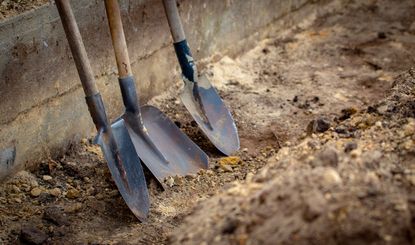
<point>330,189</point>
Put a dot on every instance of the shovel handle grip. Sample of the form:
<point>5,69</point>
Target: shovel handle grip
<point>77,47</point>
<point>175,23</point>
<point>187,64</point>
<point>118,38</point>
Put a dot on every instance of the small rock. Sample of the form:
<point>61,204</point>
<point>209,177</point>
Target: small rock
<point>232,160</point>
<point>347,113</point>
<point>178,180</point>
<point>169,181</point>
<point>47,177</point>
<point>73,208</point>
<point>372,179</point>
<point>381,35</point>
<point>350,146</point>
<point>33,183</point>
<point>382,109</point>
<point>15,189</point>
<point>17,200</point>
<point>331,177</point>
<point>25,187</point>
<point>356,153</point>
<point>378,124</point>
<point>32,235</point>
<point>319,125</point>
<point>226,168</point>
<point>328,158</point>
<point>35,192</point>
<point>55,192</point>
<point>56,216</point>
<point>409,128</point>
<point>73,193</point>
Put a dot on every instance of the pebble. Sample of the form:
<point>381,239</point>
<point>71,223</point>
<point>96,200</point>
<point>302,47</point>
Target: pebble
<point>73,193</point>
<point>347,112</point>
<point>378,124</point>
<point>409,128</point>
<point>47,177</point>
<point>327,157</point>
<point>56,216</point>
<point>17,200</point>
<point>55,192</point>
<point>33,183</point>
<point>372,179</point>
<point>169,181</point>
<point>331,177</point>
<point>319,125</point>
<point>25,187</point>
<point>32,235</point>
<point>73,208</point>
<point>35,192</point>
<point>232,160</point>
<point>350,146</point>
<point>226,168</point>
<point>15,189</point>
<point>356,153</point>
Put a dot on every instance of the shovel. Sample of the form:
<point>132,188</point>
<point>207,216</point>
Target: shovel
<point>116,145</point>
<point>199,96</point>
<point>160,144</point>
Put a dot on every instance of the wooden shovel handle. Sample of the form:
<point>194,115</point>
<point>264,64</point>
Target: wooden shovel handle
<point>175,23</point>
<point>77,47</point>
<point>118,38</point>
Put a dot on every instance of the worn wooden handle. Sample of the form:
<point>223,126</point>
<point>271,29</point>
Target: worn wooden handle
<point>118,38</point>
<point>77,47</point>
<point>175,23</point>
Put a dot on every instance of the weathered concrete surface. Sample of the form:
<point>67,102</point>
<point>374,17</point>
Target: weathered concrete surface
<point>42,109</point>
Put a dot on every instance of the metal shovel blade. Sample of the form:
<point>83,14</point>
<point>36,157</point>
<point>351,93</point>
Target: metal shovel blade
<point>180,155</point>
<point>211,114</point>
<point>125,168</point>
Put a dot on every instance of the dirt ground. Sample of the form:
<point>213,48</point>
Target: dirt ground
<point>10,8</point>
<point>326,116</point>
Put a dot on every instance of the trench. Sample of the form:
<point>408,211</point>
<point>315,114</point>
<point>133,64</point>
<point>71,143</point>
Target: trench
<point>295,88</point>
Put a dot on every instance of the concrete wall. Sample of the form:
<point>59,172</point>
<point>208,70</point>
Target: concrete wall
<point>42,108</point>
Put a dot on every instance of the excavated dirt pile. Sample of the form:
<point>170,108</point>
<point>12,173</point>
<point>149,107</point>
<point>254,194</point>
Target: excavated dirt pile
<point>353,184</point>
<point>326,115</point>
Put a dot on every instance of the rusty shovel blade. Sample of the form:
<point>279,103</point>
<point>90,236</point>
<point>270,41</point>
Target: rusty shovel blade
<point>125,168</point>
<point>209,111</point>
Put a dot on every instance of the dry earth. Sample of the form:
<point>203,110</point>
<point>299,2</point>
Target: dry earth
<point>325,112</point>
<point>10,8</point>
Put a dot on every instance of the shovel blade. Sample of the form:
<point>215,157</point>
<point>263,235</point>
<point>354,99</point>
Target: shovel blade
<point>131,182</point>
<point>181,156</point>
<point>217,122</point>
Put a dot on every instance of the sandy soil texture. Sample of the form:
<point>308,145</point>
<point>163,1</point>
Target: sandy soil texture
<point>326,116</point>
<point>10,8</point>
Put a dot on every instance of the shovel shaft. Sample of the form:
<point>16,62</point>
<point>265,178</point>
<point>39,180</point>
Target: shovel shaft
<point>77,47</point>
<point>125,76</point>
<point>175,23</point>
<point>118,38</point>
<point>93,97</point>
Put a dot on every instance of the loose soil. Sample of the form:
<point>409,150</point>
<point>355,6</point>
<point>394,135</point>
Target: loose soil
<point>9,8</point>
<point>326,116</point>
